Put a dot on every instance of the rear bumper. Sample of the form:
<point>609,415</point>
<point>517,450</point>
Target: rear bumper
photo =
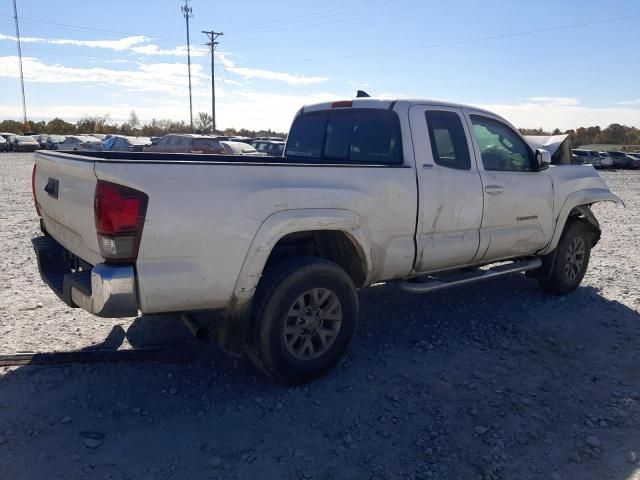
<point>103,290</point>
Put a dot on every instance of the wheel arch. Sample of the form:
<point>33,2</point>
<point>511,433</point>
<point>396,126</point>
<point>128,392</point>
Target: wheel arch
<point>336,231</point>
<point>336,234</point>
<point>577,205</point>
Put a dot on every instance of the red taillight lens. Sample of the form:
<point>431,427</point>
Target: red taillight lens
<point>119,216</point>
<point>342,104</point>
<point>33,189</point>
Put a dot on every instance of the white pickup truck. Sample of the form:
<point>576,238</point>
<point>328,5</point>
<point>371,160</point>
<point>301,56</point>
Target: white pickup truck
<point>422,193</point>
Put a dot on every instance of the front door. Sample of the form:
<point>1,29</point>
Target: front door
<point>449,188</point>
<point>518,199</point>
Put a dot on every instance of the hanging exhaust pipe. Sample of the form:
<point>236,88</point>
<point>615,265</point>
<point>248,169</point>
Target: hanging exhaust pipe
<point>197,330</point>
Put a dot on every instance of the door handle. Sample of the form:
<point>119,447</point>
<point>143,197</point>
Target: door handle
<point>494,189</point>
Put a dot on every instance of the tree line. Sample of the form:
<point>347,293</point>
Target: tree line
<point>615,134</point>
<point>133,126</point>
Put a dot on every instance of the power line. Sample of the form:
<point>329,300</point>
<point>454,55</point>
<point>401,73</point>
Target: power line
<point>320,14</point>
<point>93,29</point>
<point>213,36</point>
<point>452,43</point>
<point>359,18</point>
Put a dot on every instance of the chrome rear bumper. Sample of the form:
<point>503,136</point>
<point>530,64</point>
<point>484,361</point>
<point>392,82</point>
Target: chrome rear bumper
<point>103,290</point>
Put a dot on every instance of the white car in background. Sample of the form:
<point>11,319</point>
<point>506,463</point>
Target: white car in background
<point>80,143</point>
<point>240,148</point>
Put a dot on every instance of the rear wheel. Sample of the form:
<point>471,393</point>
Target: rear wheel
<point>572,259</point>
<point>304,317</point>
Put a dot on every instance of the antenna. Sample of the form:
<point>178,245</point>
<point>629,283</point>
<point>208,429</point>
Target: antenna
<point>187,11</point>
<point>24,102</point>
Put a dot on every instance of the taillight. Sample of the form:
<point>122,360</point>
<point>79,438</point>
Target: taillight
<point>119,215</point>
<point>342,104</point>
<point>33,189</point>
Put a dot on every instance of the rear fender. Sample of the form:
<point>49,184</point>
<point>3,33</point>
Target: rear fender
<point>278,225</point>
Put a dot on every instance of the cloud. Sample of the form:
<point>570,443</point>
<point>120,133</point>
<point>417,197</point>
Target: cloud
<point>135,43</point>
<point>250,73</point>
<point>168,78</point>
<point>555,101</point>
<point>564,116</point>
<point>250,109</point>
<point>180,51</point>
<point>125,43</point>
<point>630,102</point>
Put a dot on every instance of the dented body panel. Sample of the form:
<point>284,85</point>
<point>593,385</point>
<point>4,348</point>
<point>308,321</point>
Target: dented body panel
<point>212,224</point>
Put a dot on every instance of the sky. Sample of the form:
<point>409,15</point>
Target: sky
<point>542,63</point>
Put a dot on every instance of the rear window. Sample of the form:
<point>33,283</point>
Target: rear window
<point>347,136</point>
<point>208,143</point>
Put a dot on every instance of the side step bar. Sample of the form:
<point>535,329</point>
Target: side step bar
<point>432,284</point>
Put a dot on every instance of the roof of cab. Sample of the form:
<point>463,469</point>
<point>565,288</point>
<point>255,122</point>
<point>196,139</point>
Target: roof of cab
<point>387,103</point>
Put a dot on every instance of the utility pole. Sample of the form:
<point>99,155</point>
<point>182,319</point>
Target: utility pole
<point>24,102</point>
<point>187,11</point>
<point>213,36</point>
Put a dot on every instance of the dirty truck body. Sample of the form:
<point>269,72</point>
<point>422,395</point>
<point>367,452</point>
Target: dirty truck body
<point>418,192</point>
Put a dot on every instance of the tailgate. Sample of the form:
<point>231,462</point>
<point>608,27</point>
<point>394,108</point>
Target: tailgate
<point>64,186</point>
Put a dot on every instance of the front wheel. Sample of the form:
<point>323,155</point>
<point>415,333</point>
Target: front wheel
<point>572,259</point>
<point>304,316</point>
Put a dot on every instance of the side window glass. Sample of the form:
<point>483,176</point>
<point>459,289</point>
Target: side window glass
<point>500,147</point>
<point>448,141</point>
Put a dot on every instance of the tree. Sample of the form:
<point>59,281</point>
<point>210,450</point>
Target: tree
<point>59,126</point>
<point>134,121</point>
<point>204,123</point>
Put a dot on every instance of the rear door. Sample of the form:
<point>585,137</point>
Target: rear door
<point>64,188</point>
<point>518,200</point>
<point>449,186</point>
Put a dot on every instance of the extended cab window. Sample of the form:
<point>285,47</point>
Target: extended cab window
<point>500,147</point>
<point>448,141</point>
<point>347,136</point>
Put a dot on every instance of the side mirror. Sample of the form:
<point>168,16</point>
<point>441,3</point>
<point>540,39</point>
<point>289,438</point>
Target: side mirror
<point>542,159</point>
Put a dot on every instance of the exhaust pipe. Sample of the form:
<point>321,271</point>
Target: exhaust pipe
<point>197,330</point>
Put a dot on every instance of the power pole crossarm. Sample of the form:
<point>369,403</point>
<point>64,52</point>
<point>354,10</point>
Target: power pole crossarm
<point>213,36</point>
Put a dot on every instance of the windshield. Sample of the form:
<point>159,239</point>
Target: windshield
<point>26,139</point>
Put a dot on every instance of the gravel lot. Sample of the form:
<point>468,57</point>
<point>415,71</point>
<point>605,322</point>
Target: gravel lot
<point>490,381</point>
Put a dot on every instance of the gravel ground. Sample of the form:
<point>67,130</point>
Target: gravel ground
<point>490,381</point>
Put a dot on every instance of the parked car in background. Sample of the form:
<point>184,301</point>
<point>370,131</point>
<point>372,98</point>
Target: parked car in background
<point>241,139</point>
<point>42,140</point>
<point>269,147</point>
<point>605,160</point>
<point>273,139</point>
<point>8,138</point>
<point>621,160</point>
<point>187,143</point>
<point>24,143</point>
<point>4,146</point>
<point>240,148</point>
<point>121,143</point>
<point>53,141</point>
<point>581,157</point>
<point>81,143</point>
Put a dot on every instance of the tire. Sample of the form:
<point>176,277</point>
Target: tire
<point>314,341</point>
<point>572,259</point>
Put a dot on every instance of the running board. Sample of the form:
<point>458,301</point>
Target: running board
<point>431,284</point>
